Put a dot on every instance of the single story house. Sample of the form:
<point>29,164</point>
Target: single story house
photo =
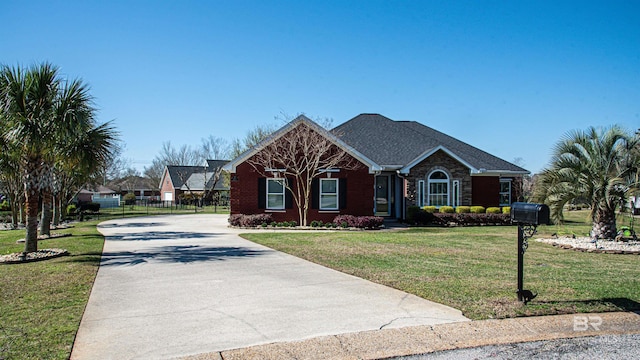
<point>177,180</point>
<point>106,197</point>
<point>402,164</point>
<point>141,187</point>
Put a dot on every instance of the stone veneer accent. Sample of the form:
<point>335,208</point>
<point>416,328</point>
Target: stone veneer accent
<point>440,161</point>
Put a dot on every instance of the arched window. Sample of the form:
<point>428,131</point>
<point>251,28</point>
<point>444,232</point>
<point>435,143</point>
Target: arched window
<point>438,188</point>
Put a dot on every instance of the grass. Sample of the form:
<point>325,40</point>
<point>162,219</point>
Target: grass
<point>474,269</point>
<point>41,303</point>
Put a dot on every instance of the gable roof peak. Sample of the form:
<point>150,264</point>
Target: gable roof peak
<point>300,119</point>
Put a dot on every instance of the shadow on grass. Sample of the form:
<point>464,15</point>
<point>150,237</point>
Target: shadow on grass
<point>89,257</point>
<point>623,304</point>
<point>179,254</point>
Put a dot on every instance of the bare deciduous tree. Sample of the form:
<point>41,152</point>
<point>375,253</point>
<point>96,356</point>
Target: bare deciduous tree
<point>302,153</point>
<point>214,148</point>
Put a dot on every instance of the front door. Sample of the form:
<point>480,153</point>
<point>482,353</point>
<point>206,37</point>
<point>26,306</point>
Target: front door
<point>383,198</point>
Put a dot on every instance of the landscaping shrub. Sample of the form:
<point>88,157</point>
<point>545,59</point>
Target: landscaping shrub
<point>360,222</point>
<point>242,220</point>
<point>478,210</point>
<point>430,209</point>
<point>424,218</point>
<point>71,209</point>
<point>447,209</point>
<point>471,219</point>
<point>91,207</point>
<point>129,199</point>
<point>493,210</point>
<point>4,206</point>
<point>463,209</point>
<point>411,213</point>
<point>506,209</point>
<point>316,223</point>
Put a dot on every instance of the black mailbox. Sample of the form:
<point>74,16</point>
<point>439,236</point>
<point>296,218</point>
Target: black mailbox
<point>530,214</point>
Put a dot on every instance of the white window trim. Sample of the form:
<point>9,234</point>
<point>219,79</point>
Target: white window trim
<point>438,181</point>
<point>505,192</point>
<point>284,189</point>
<point>337,194</point>
<point>420,193</point>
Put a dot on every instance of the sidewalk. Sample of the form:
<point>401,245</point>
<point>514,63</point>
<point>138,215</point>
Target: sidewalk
<point>387,343</point>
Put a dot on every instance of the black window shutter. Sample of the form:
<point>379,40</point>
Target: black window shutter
<point>262,193</point>
<point>315,193</point>
<point>288,195</point>
<point>342,196</point>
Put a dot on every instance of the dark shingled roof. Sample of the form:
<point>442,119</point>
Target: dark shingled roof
<point>181,174</point>
<point>398,143</point>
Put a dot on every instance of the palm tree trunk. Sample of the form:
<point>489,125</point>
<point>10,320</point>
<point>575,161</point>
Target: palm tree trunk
<point>56,210</point>
<point>604,224</point>
<point>31,204</point>
<point>45,223</point>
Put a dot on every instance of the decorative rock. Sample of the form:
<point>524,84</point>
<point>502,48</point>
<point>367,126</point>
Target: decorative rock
<point>41,254</point>
<point>586,244</point>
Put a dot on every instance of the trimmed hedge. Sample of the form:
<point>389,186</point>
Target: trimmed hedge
<point>447,209</point>
<point>344,221</point>
<point>472,219</point>
<point>360,222</point>
<point>430,209</point>
<point>242,220</point>
<point>494,210</point>
<point>506,210</point>
<point>463,209</point>
<point>478,210</point>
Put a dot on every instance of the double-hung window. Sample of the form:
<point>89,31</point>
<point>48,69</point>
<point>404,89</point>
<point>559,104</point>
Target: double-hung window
<point>329,194</point>
<point>275,194</point>
<point>505,192</point>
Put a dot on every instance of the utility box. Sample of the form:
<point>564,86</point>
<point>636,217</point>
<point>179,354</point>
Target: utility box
<point>529,213</point>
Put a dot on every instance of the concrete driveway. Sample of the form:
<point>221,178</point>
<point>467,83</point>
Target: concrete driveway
<point>171,286</point>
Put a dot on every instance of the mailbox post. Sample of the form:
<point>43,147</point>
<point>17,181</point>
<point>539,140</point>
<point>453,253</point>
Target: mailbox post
<point>527,216</point>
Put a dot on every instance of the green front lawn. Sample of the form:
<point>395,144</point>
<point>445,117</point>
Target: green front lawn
<point>41,303</point>
<point>474,269</point>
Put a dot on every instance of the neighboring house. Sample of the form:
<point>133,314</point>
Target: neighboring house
<point>177,180</point>
<point>141,187</point>
<point>403,163</point>
<point>103,195</point>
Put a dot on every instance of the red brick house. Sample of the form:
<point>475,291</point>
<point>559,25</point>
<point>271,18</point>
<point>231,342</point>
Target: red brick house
<point>177,180</point>
<point>402,163</point>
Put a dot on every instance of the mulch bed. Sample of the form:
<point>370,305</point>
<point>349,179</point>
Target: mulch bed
<point>42,254</point>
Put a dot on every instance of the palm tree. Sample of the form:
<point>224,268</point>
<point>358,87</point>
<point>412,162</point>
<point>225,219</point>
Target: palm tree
<point>45,119</point>
<point>597,166</point>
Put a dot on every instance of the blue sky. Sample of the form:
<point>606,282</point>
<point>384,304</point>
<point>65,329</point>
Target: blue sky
<point>509,77</point>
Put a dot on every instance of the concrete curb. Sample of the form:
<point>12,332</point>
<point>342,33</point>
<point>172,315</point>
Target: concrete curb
<point>415,340</point>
